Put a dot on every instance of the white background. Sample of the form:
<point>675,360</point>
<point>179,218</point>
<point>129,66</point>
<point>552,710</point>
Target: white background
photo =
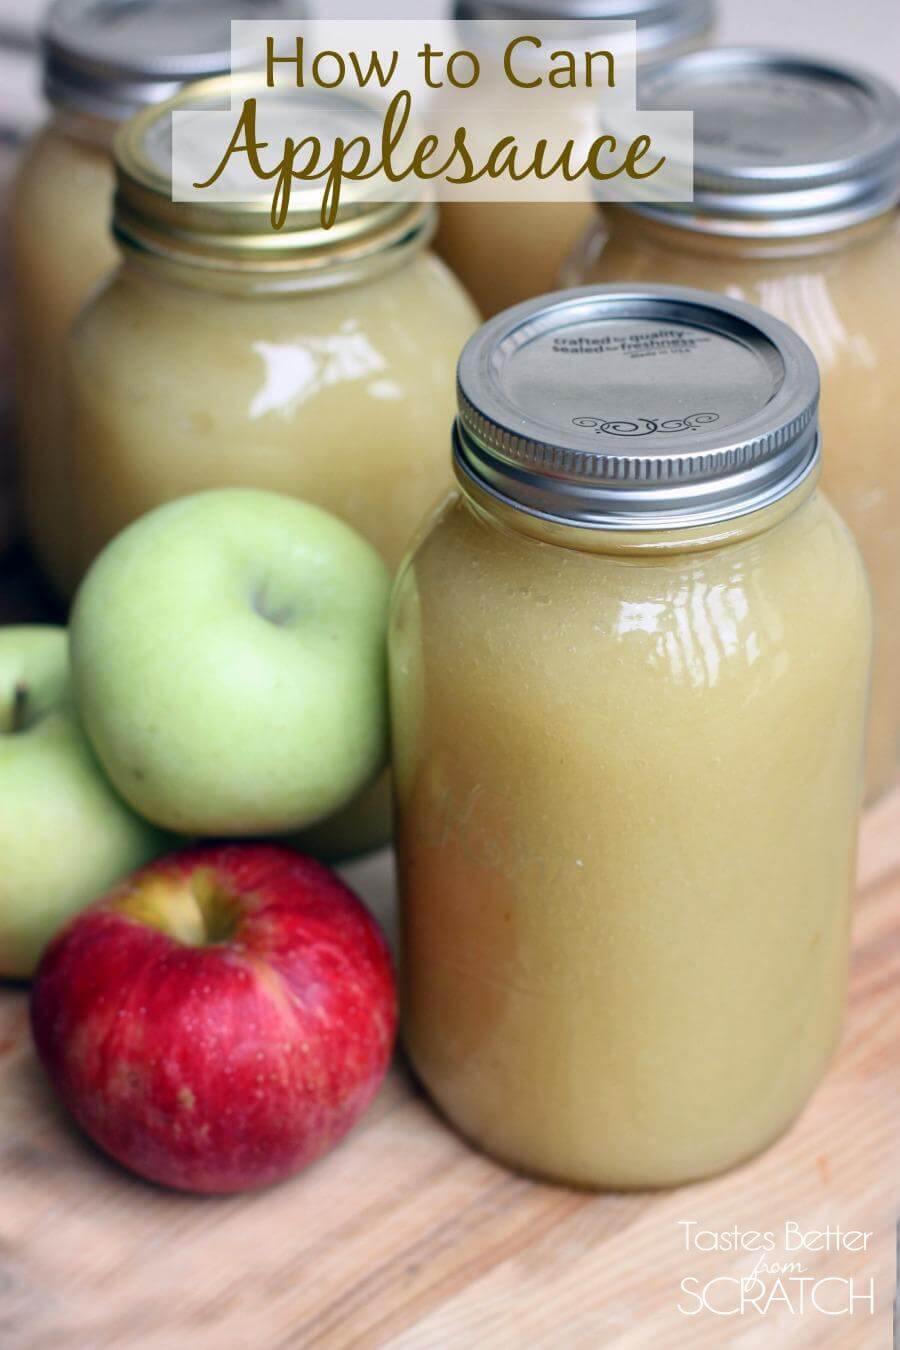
<point>866,31</point>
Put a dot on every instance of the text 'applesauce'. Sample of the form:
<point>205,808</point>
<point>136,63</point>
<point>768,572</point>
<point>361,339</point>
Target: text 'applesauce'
<point>101,62</point>
<point>629,664</point>
<point>797,177</point>
<point>504,252</point>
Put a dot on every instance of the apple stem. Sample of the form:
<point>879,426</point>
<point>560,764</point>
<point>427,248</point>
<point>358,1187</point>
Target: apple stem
<point>20,703</point>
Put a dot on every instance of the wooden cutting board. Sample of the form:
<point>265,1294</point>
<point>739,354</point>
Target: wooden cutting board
<point>404,1237</point>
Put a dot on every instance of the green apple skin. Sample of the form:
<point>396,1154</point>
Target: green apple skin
<point>229,662</point>
<point>65,836</point>
<point>361,827</point>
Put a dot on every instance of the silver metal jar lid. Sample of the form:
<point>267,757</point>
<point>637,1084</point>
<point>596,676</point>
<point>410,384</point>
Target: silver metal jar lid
<point>783,144</point>
<point>663,26</point>
<point>107,58</point>
<point>637,408</point>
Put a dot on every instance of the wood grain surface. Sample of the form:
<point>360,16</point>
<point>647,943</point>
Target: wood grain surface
<point>404,1237</point>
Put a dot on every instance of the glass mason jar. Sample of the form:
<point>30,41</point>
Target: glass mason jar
<point>101,63</point>
<point>629,662</point>
<point>222,353</point>
<point>504,252</point>
<point>806,229</point>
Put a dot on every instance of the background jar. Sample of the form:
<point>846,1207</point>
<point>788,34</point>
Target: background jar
<point>627,749</point>
<point>808,230</point>
<point>504,252</point>
<point>319,363</point>
<point>101,63</point>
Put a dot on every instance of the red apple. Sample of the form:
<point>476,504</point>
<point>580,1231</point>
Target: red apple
<point>221,1018</point>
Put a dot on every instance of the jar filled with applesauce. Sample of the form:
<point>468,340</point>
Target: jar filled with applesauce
<point>797,176</point>
<point>629,662</point>
<point>504,252</point>
<point>102,62</point>
<point>311,361</point>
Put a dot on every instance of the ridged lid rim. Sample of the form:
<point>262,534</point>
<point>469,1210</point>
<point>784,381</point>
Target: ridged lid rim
<point>802,195</point>
<point>718,476</point>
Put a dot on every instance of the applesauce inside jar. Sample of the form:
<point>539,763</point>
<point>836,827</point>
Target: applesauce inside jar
<point>504,252</point>
<point>797,169</point>
<point>629,662</point>
<point>101,63</point>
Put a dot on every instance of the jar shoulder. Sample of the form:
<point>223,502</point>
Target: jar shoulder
<point>829,293</point>
<point>479,591</point>
<point>55,162</point>
<point>416,307</point>
<point>58,223</point>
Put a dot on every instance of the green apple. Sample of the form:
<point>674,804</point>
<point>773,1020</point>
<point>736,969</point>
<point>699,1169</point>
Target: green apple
<point>65,837</point>
<point>228,657</point>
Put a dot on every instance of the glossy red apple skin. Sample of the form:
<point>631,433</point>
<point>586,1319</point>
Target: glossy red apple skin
<point>218,1068</point>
